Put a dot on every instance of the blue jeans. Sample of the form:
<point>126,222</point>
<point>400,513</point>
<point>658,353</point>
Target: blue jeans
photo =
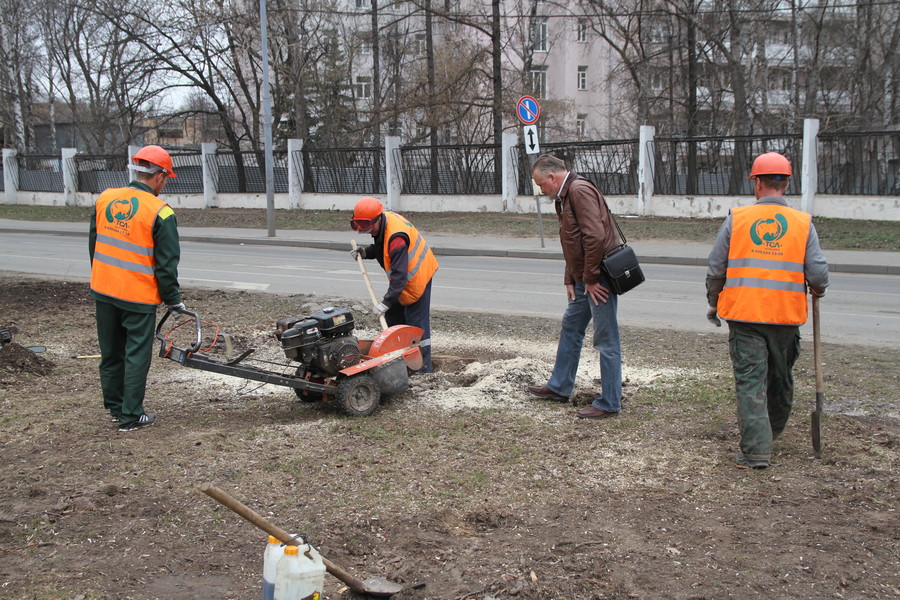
<point>417,314</point>
<point>606,341</point>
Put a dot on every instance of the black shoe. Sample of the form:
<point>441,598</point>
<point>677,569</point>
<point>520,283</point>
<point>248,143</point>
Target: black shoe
<point>146,420</point>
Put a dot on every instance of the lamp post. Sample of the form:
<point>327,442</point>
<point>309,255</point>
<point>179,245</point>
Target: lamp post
<point>267,121</point>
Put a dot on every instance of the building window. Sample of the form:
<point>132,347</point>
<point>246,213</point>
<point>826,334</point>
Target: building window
<point>582,78</point>
<point>365,43</point>
<point>363,87</point>
<point>539,34</point>
<point>363,4</point>
<point>580,125</point>
<point>581,30</point>
<point>538,81</point>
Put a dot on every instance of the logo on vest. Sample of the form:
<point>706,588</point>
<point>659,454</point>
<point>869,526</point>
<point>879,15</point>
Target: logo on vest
<point>121,211</point>
<point>767,232</point>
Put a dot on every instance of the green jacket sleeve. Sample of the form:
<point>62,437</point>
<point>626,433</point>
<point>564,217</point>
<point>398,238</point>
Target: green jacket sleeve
<point>167,251</point>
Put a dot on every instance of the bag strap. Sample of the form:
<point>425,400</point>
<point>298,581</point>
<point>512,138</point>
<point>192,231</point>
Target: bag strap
<point>605,205</point>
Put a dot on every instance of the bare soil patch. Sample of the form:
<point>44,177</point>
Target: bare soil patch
<point>464,483</point>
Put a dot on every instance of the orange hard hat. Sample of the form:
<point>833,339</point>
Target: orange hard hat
<point>365,212</point>
<point>770,163</point>
<point>156,155</point>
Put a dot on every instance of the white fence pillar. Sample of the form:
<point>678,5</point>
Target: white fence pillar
<point>646,154</point>
<point>69,176</point>
<point>809,174</point>
<point>132,150</point>
<point>210,168</point>
<point>295,173</point>
<point>10,174</point>
<point>392,171</point>
<point>510,182</point>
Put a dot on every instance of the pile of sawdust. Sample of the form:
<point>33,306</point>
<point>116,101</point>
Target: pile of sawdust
<point>17,359</point>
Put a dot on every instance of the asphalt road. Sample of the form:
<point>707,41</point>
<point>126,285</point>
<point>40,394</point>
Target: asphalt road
<point>859,308</point>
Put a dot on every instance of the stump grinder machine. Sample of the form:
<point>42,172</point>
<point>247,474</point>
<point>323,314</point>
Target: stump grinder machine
<point>328,361</point>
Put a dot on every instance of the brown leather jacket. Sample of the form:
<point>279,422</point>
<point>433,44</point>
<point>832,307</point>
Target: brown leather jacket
<point>586,229</point>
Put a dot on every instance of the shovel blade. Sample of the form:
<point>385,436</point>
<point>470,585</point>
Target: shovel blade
<point>379,586</point>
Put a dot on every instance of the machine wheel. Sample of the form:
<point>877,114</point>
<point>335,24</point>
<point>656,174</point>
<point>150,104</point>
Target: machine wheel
<point>308,395</point>
<point>357,395</point>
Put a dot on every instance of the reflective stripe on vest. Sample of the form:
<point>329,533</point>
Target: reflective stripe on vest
<point>123,264</point>
<point>765,280</point>
<point>421,265</point>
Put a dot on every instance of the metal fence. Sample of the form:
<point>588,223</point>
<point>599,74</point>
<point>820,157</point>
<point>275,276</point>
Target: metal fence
<point>40,173</point>
<point>450,169</point>
<point>859,163</point>
<point>862,163</point>
<point>96,173</point>
<point>344,170</point>
<point>246,172</point>
<point>717,166</point>
<point>611,165</point>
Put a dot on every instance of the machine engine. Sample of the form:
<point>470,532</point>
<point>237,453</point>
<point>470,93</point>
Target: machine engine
<point>321,342</point>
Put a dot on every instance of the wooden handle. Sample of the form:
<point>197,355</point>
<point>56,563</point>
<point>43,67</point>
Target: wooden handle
<point>354,583</point>
<point>362,269</point>
<point>817,343</point>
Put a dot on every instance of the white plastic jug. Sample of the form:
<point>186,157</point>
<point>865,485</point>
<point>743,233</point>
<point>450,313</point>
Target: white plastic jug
<point>300,574</point>
<point>274,551</point>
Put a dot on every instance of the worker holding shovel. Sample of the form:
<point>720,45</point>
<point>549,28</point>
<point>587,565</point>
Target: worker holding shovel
<point>764,257</point>
<point>410,266</point>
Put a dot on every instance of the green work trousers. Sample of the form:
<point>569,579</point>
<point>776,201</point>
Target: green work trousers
<point>126,348</point>
<point>763,358</point>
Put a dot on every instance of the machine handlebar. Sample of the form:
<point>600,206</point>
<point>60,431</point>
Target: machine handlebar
<point>196,345</point>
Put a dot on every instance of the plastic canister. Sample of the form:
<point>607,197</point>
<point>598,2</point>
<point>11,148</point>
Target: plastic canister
<point>300,574</point>
<point>274,551</point>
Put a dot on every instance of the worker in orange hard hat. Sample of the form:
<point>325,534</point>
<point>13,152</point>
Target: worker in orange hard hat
<point>409,263</point>
<point>134,250</point>
<point>773,165</point>
<point>764,259</point>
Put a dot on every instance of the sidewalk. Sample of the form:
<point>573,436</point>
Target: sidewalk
<point>649,251</point>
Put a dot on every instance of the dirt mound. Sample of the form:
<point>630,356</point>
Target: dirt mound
<point>18,359</point>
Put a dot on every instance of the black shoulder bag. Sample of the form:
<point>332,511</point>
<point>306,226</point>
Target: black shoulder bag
<point>620,263</point>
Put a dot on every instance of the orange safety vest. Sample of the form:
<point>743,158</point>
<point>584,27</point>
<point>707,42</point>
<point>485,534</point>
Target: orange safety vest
<point>765,281</point>
<point>123,265</point>
<point>422,263</point>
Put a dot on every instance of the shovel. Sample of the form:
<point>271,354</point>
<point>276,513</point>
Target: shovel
<point>362,268</point>
<point>816,423</point>
<point>374,586</point>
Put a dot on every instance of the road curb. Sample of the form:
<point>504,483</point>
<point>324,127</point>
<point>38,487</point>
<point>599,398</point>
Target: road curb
<point>455,251</point>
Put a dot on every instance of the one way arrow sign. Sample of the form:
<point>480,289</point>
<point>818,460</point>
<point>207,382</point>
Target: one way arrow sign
<point>531,140</point>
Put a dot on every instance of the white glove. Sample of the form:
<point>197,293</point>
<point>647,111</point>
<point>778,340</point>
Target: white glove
<point>358,251</point>
<point>712,317</point>
<point>380,309</point>
<point>177,308</point>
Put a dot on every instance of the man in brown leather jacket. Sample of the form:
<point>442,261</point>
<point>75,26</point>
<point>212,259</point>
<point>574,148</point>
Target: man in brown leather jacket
<point>586,231</point>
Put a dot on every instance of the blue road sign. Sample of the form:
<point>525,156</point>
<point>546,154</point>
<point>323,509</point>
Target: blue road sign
<point>528,110</point>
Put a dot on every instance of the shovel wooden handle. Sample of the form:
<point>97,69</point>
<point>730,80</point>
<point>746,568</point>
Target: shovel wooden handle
<point>353,582</point>
<point>365,274</point>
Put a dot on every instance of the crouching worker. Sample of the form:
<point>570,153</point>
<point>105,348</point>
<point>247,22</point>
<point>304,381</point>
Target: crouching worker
<point>410,266</point>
